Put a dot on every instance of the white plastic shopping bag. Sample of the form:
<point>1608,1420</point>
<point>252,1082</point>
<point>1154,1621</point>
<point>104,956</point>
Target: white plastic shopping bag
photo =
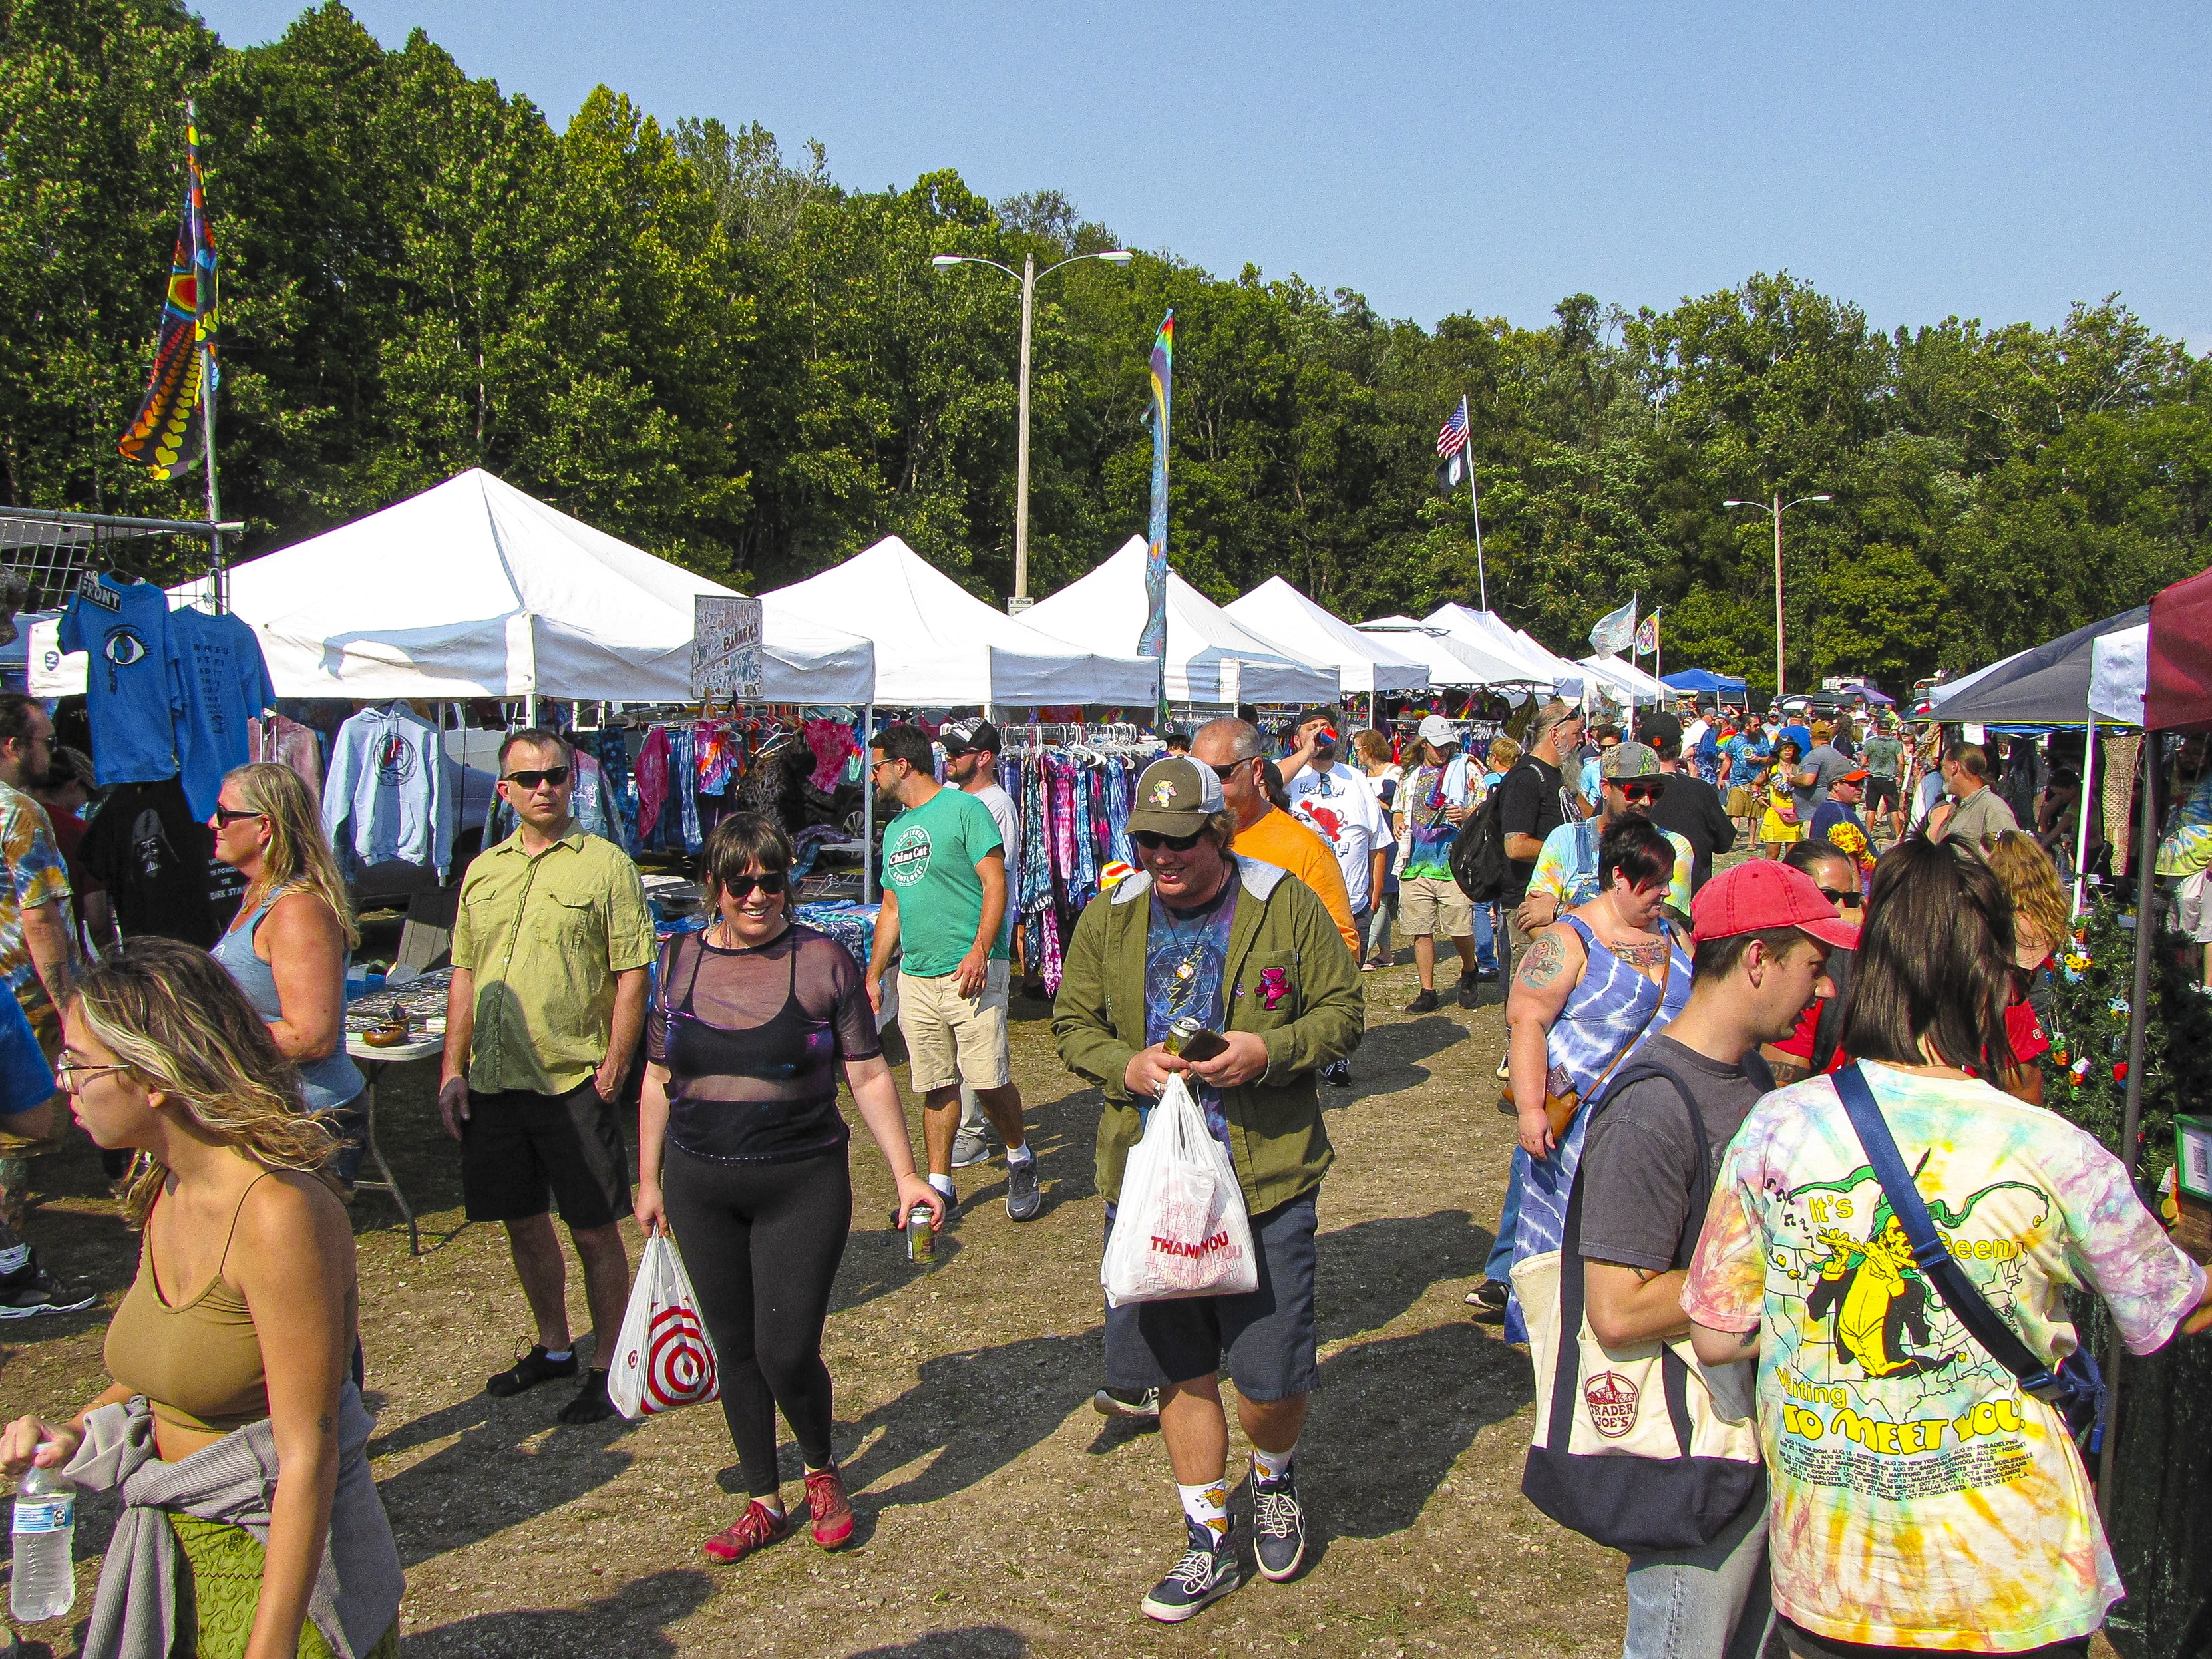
<point>1181,1228</point>
<point>663,1359</point>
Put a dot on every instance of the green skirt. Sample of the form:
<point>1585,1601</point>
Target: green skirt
<point>222,1590</point>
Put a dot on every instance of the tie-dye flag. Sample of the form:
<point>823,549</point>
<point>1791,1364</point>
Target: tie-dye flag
<point>1153,641</point>
<point>159,437</point>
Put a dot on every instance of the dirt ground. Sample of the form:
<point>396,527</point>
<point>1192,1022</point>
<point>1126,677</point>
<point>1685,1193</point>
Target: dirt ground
<point>998,1514</point>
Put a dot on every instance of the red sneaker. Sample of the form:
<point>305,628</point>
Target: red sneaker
<point>756,1527</point>
<point>833,1515</point>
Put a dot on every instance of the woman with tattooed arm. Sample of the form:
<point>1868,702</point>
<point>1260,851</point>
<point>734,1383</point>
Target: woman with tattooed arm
<point>1589,986</point>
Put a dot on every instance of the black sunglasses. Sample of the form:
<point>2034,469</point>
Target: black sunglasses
<point>1852,899</point>
<point>226,815</point>
<point>555,775</point>
<point>772,883</point>
<point>1226,773</point>
<point>1151,840</point>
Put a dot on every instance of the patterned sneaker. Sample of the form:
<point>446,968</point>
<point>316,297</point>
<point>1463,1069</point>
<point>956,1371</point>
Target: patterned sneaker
<point>758,1527</point>
<point>1207,1572</point>
<point>1023,1201</point>
<point>1279,1526</point>
<point>826,1502</point>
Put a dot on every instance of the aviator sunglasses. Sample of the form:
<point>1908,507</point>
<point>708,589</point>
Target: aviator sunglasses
<point>1151,840</point>
<point>741,887</point>
<point>555,775</point>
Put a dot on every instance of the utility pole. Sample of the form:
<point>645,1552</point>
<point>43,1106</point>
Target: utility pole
<point>1776,510</point>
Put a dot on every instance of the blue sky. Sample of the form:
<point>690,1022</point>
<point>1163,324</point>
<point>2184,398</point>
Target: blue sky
<point>1997,161</point>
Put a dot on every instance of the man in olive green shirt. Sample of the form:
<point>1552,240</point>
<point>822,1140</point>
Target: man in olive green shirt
<point>551,949</point>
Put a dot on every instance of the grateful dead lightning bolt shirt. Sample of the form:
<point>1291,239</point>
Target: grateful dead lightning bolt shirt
<point>1919,1497</point>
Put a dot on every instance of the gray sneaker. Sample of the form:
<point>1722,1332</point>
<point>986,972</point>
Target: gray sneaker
<point>969,1148</point>
<point>1023,1201</point>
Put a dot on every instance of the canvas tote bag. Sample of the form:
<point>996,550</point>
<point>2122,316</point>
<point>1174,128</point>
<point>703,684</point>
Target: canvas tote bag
<point>1637,1448</point>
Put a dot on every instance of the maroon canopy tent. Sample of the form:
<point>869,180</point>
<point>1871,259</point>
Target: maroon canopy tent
<point>2179,694</point>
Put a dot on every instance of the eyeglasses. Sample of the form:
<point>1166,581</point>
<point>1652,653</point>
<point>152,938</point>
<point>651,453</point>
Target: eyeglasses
<point>73,1073</point>
<point>771,883</point>
<point>1850,901</point>
<point>1644,791</point>
<point>227,816</point>
<point>555,775</point>
<point>1151,840</point>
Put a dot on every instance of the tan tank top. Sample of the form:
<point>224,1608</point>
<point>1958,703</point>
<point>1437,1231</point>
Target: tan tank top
<point>198,1362</point>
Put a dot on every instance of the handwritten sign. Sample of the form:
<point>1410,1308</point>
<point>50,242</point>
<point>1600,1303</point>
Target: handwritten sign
<point>725,649</point>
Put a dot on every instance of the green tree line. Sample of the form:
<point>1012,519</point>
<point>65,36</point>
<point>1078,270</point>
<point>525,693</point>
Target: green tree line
<point>709,347</point>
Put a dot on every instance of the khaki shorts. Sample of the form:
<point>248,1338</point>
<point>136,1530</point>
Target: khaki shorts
<point>950,1038</point>
<point>1433,905</point>
<point>1742,801</point>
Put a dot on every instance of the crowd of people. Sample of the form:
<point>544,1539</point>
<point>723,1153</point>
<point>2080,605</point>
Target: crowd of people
<point>1689,1057</point>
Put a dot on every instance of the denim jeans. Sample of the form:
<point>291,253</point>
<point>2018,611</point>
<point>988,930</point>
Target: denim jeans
<point>1710,1603</point>
<point>1378,926</point>
<point>1485,938</point>
<point>1500,1265</point>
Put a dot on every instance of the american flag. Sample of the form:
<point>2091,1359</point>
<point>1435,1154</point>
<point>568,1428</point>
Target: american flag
<point>1453,438</point>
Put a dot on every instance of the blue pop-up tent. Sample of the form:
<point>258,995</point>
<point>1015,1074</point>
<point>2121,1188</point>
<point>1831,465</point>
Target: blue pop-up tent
<point>1697,679</point>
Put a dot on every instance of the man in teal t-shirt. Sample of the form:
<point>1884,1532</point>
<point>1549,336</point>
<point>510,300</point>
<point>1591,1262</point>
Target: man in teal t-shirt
<point>944,895</point>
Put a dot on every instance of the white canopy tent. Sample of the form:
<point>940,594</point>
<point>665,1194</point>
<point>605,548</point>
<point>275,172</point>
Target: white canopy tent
<point>1365,663</point>
<point>1489,630</point>
<point>1646,688</point>
<point>474,589</point>
<point>1108,606</point>
<point>1452,662</point>
<point>938,645</point>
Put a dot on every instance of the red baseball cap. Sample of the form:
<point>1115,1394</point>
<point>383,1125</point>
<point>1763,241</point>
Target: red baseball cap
<point>1761,893</point>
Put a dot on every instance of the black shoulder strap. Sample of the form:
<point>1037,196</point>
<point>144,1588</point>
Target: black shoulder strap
<point>1930,1253</point>
<point>1574,1293</point>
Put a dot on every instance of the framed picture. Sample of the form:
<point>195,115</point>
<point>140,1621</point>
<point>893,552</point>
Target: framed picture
<point>2193,1155</point>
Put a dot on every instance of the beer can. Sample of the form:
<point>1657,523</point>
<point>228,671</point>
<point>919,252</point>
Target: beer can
<point>1181,1032</point>
<point>920,1236</point>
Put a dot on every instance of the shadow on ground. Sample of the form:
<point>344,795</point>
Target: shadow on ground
<point>975,1642</point>
<point>632,1622</point>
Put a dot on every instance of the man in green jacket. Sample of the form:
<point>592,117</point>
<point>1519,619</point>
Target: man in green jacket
<point>1249,951</point>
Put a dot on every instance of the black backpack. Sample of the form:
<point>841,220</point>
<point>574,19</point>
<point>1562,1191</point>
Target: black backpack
<point>1478,852</point>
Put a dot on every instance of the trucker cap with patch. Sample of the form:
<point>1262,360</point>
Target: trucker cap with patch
<point>1175,795</point>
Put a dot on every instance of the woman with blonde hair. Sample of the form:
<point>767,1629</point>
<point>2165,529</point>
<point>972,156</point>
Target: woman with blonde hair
<point>233,1430</point>
<point>289,947</point>
<point>2042,928</point>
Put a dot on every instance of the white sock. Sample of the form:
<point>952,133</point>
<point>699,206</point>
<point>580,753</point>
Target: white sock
<point>565,1354</point>
<point>1272,1466</point>
<point>773,1502</point>
<point>1207,1506</point>
<point>1023,1153</point>
<point>944,1184</point>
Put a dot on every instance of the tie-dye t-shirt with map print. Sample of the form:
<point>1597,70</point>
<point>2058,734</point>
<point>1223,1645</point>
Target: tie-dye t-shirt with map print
<point>1919,1497</point>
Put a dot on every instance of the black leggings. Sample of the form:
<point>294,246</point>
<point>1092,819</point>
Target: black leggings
<point>762,1242</point>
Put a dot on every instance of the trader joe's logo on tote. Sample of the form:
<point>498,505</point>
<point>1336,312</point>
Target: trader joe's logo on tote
<point>1612,1399</point>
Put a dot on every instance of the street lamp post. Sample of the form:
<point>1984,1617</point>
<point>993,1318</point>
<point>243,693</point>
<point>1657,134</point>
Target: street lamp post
<point>1775,512</point>
<point>1028,277</point>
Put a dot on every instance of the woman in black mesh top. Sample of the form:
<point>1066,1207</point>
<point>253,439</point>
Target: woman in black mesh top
<point>742,1156</point>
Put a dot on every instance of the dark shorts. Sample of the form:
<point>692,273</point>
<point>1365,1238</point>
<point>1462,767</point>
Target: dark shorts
<point>1265,1338</point>
<point>1881,795</point>
<point>1805,1646</point>
<point>523,1152</point>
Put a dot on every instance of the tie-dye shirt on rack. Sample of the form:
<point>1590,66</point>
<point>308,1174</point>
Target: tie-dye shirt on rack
<point>1919,1497</point>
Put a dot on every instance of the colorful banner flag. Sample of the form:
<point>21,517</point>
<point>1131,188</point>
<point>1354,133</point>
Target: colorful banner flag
<point>160,438</point>
<point>1614,631</point>
<point>1646,637</point>
<point>1153,641</point>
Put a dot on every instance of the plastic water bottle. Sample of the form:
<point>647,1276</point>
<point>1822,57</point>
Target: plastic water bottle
<point>44,1584</point>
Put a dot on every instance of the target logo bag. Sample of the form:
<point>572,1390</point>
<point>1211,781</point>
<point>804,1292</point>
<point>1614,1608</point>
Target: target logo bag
<point>1637,1448</point>
<point>663,1359</point>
